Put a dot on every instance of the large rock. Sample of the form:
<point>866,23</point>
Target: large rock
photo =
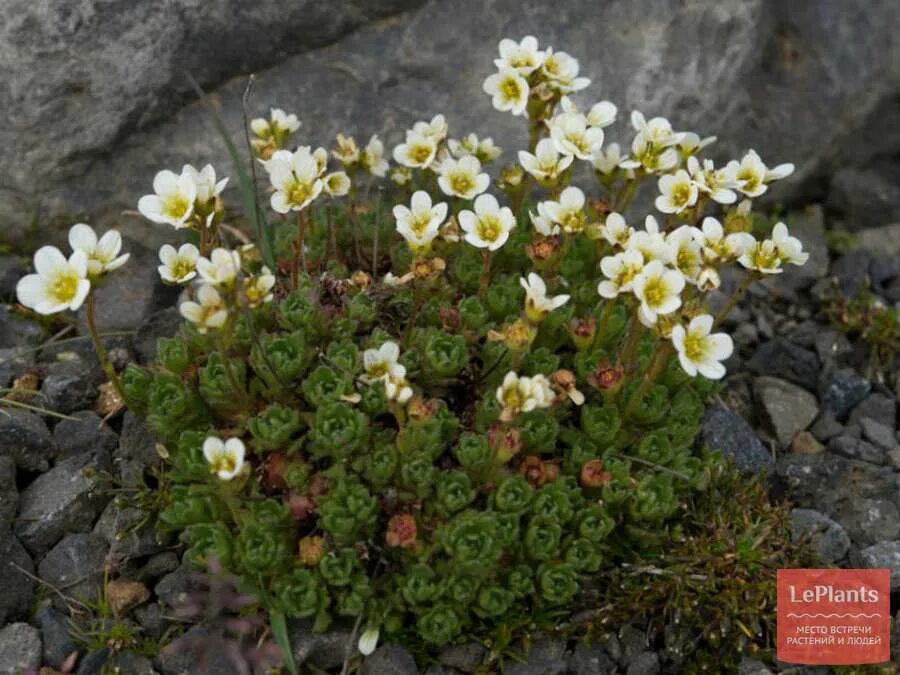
<point>76,564</point>
<point>722,430</point>
<point>16,578</point>
<point>126,63</point>
<point>884,555</point>
<point>20,648</point>
<point>866,198</point>
<point>827,538</point>
<point>25,438</point>
<point>788,408</point>
<point>64,500</point>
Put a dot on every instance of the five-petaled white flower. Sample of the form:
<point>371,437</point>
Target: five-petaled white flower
<point>484,149</point>
<point>568,211</point>
<point>225,458</point>
<point>522,394</point>
<point>346,152</point>
<point>463,177</point>
<point>103,255</point>
<point>537,303</point>
<point>205,181</point>
<point>221,268</point>
<point>509,91</point>
<point>762,257</point>
<point>489,225</point>
<point>754,175</point>
<point>546,164</point>
<point>382,362</point>
<point>523,57</point>
<point>650,241</point>
<point>790,249</point>
<point>178,267</point>
<point>436,128</point>
<point>717,247</point>
<point>620,271</point>
<point>541,221</point>
<point>373,159</point>
<point>572,136</point>
<point>336,184</point>
<point>295,177</point>
<point>258,289</point>
<point>278,126</point>
<point>561,70</point>
<point>685,253</point>
<point>57,284</point>
<point>420,223</point>
<point>609,159</point>
<point>700,350</point>
<point>719,184</point>
<point>678,192</point>
<point>173,201</point>
<point>659,290</point>
<point>616,231</point>
<point>417,152</point>
<point>208,311</point>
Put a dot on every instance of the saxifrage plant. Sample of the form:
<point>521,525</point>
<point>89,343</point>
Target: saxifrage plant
<point>442,401</point>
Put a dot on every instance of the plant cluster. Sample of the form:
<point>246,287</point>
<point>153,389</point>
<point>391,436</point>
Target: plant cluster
<point>454,402</point>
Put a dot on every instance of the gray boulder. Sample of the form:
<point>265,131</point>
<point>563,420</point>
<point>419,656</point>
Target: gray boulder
<point>75,566</point>
<point>389,659</point>
<point>26,439</point>
<point>729,433</point>
<point>827,538</point>
<point>342,69</point>
<point>16,578</point>
<point>885,554</point>
<point>20,648</point>
<point>788,408</point>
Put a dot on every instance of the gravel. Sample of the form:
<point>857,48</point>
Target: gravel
<point>827,538</point>
<point>75,565</point>
<point>788,408</point>
<point>885,554</point>
<point>780,358</point>
<point>25,437</point>
<point>722,430</point>
<point>389,659</point>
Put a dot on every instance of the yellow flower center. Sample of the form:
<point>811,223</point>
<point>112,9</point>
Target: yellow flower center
<point>686,260</point>
<point>681,194</point>
<point>181,267</point>
<point>510,89</point>
<point>299,193</point>
<point>573,221</point>
<point>175,206</point>
<point>489,228</point>
<point>461,183</point>
<point>694,347</point>
<point>222,462</point>
<point>751,179</point>
<point>420,153</point>
<point>64,287</point>
<point>655,292</point>
<point>378,370</point>
<point>420,224</point>
<point>512,398</point>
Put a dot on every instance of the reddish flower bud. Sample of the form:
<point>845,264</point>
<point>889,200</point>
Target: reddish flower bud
<point>311,550</point>
<point>593,475</point>
<point>301,506</point>
<point>582,332</point>
<point>401,531</point>
<point>537,471</point>
<point>505,443</point>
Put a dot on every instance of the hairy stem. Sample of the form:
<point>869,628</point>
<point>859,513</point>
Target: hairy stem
<point>660,358</point>
<point>89,312</point>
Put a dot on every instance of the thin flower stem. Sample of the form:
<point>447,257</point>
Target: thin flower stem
<point>485,272</point>
<point>89,312</point>
<point>302,222</point>
<point>631,341</point>
<point>35,409</point>
<point>735,297</point>
<point>660,358</point>
<point>232,379</point>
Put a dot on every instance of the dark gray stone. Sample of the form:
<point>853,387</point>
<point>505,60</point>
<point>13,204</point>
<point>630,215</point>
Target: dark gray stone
<point>870,520</point>
<point>137,450</point>
<point>590,660</point>
<point>321,650</point>
<point>12,268</point>
<point>389,659</point>
<point>57,642</point>
<point>86,433</point>
<point>646,663</point>
<point>20,648</point>
<point>841,390</point>
<point>788,408</point>
<point>130,663</point>
<point>750,666</point>
<point>71,385</point>
<point>127,532</point>
<point>852,271</point>
<point>783,359</point>
<point>826,426</point>
<point>855,448</point>
<point>885,554</point>
<point>172,590</point>
<point>66,499</point>
<point>9,493</point>
<point>831,345</point>
<point>164,323</point>
<point>466,657</point>
<point>94,663</point>
<point>158,565</point>
<point>75,566</point>
<point>16,331</point>
<point>200,650</point>
<point>878,433</point>
<point>876,406</point>
<point>25,437</point>
<point>14,362</point>
<point>866,197</point>
<point>828,538</point>
<point>16,586</point>
<point>722,430</point>
<point>150,619</point>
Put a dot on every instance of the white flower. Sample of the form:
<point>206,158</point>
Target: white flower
<point>368,641</point>
<point>258,289</point>
<point>545,164</point>
<point>346,152</point>
<point>401,175</point>
<point>685,252</point>
<point>616,231</point>
<point>656,132</point>
<point>279,124</point>
<point>659,290</point>
<point>225,458</point>
<point>717,246</point>
<point>205,181</point>
<point>719,184</point>
<point>650,241</point>
<point>790,249</point>
<point>489,225</point>
<point>522,394</point>
<point>763,257</point>
<point>572,136</point>
<point>562,72</point>
<point>373,158</point>
<point>103,255</point>
<point>420,224</point>
<point>417,152</point>
<point>699,351</point>
<point>57,284</point>
<point>463,177</point>
<point>602,114</point>
<point>509,91</point>
<point>537,303</point>
<point>678,192</point>
<point>336,184</point>
<point>221,268</point>
<point>523,57</point>
<point>608,160</point>
<point>208,312</point>
<point>620,271</point>
<point>173,201</point>
<point>568,212</point>
<point>397,389</point>
<point>382,362</point>
<point>178,267</point>
<point>708,279</point>
<point>435,129</point>
<point>691,143</point>
<point>484,149</point>
<point>541,221</point>
<point>295,177</point>
<point>754,175</point>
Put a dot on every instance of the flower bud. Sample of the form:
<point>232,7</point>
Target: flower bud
<point>401,531</point>
<point>311,550</point>
<point>511,177</point>
<point>360,279</point>
<point>542,250</point>
<point>505,443</point>
<point>593,476</point>
<point>607,377</point>
<point>564,384</point>
<point>708,280</point>
<point>582,332</point>
<point>537,471</point>
<point>301,506</point>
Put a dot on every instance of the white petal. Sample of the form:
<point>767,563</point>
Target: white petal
<point>47,260</point>
<point>30,290</point>
<point>82,237</point>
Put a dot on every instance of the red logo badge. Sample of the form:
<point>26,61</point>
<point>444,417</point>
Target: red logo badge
<point>834,617</point>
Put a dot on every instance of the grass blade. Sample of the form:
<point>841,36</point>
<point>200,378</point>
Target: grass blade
<point>279,632</point>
